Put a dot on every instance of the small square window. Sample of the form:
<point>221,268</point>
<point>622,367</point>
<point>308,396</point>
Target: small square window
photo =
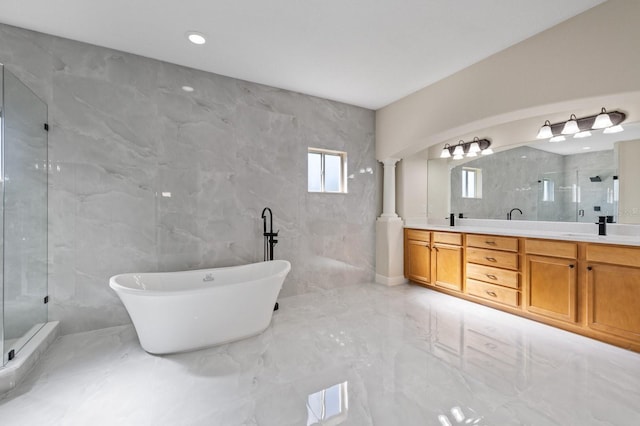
<point>327,171</point>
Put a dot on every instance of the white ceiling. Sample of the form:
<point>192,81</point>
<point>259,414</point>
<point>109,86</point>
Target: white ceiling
<point>362,52</point>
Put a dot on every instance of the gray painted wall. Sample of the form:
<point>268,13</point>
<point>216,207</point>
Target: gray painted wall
<point>123,132</point>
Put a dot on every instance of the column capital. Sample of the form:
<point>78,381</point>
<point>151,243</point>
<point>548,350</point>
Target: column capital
<point>389,162</point>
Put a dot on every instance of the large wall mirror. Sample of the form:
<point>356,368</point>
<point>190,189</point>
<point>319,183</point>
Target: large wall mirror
<point>572,181</point>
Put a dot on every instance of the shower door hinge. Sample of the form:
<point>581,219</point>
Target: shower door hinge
<point>46,299</point>
<point>46,126</point>
<point>12,354</point>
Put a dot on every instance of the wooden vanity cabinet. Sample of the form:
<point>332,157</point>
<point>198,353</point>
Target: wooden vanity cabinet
<point>613,290</point>
<point>417,249</point>
<point>588,288</point>
<point>447,260</point>
<point>551,276</point>
<point>493,269</point>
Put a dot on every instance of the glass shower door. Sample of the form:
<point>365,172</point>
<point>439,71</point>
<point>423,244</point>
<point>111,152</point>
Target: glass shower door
<point>24,181</point>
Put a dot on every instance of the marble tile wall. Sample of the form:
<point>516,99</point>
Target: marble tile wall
<point>512,178</point>
<point>123,132</point>
<point>509,180</point>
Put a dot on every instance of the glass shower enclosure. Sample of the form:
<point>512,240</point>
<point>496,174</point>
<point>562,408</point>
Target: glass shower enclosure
<point>23,214</point>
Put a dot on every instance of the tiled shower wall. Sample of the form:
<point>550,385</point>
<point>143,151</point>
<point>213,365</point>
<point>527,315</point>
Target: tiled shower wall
<point>123,133</point>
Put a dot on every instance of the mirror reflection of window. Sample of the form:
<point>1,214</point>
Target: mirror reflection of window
<point>548,190</point>
<point>471,183</point>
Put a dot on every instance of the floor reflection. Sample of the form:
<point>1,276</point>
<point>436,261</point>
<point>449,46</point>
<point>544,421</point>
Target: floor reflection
<point>328,406</point>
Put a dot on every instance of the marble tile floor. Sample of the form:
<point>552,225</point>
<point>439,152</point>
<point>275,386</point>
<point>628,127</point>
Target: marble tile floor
<point>358,355</point>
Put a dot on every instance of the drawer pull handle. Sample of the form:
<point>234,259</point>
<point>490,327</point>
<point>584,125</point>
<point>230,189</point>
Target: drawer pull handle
<point>491,259</point>
<point>491,345</point>
<point>572,266</point>
<point>589,268</point>
<point>491,293</point>
<point>493,277</point>
<point>491,243</point>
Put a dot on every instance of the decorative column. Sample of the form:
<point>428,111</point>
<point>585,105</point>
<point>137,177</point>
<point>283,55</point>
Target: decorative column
<point>389,189</point>
<point>389,232</point>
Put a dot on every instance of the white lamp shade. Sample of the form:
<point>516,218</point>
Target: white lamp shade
<point>558,138</point>
<point>583,134</point>
<point>458,151</point>
<point>458,156</point>
<point>487,151</point>
<point>571,126</point>
<point>472,154</point>
<point>545,131</point>
<point>474,147</point>
<point>613,129</point>
<point>602,121</point>
<point>445,153</point>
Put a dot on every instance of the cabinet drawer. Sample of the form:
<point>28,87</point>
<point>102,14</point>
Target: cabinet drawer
<point>500,259</point>
<point>492,242</point>
<point>627,256</point>
<point>551,248</point>
<point>420,235</point>
<point>493,275</point>
<point>447,238</point>
<point>495,293</point>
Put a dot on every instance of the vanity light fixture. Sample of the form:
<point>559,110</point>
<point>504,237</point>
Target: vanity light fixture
<point>459,149</point>
<point>445,151</point>
<point>196,37</point>
<point>571,126</point>
<point>581,127</point>
<point>602,120</point>
<point>468,149</point>
<point>545,131</point>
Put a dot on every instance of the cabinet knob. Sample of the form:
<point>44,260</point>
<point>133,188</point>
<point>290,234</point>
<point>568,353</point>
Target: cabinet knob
<point>490,259</point>
<point>493,277</point>
<point>491,293</point>
<point>491,243</point>
<point>572,266</point>
<point>589,268</point>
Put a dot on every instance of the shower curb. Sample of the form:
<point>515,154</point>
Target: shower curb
<point>27,358</point>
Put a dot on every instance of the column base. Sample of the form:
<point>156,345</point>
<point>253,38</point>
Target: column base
<point>390,250</point>
<point>391,281</point>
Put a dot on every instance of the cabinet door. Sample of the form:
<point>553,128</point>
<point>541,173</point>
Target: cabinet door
<point>551,289</point>
<point>419,261</point>
<point>613,300</point>
<point>448,266</point>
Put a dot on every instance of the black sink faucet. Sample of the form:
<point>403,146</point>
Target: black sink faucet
<point>512,210</point>
<point>602,225</point>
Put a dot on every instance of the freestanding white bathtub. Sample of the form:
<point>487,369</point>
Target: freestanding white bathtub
<point>184,311</point>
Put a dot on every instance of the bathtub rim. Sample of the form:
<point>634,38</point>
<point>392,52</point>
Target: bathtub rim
<point>117,287</point>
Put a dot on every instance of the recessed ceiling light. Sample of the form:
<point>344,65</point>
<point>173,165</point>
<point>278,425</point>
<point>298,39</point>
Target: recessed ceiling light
<point>196,37</point>
<point>187,88</point>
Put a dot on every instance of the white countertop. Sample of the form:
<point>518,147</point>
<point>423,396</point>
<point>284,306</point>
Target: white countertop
<point>547,230</point>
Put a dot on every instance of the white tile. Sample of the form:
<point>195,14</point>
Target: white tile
<point>408,356</point>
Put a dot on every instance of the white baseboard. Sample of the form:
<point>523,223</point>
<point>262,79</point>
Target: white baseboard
<point>391,281</point>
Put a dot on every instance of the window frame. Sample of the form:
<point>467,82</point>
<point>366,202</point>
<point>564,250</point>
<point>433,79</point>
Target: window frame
<point>342,178</point>
<point>477,183</point>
